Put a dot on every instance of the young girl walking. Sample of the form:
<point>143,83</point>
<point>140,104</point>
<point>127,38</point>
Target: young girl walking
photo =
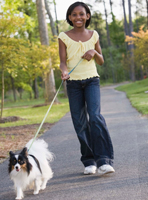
<point>83,89</point>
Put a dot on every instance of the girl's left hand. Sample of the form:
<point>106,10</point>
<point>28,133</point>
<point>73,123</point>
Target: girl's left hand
<point>89,54</point>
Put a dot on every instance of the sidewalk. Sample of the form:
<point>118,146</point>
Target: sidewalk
<point>129,133</point>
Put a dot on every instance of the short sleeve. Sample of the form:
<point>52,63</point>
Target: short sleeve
<point>63,37</point>
<point>96,36</point>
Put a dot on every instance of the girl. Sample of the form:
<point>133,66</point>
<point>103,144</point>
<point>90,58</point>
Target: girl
<point>83,89</point>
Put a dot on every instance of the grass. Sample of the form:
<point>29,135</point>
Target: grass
<point>35,115</point>
<point>26,102</point>
<point>136,94</point>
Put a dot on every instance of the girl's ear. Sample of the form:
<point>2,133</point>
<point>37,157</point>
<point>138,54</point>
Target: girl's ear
<point>88,16</point>
<point>69,17</point>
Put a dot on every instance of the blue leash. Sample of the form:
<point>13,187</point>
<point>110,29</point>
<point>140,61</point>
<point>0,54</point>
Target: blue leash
<point>52,104</point>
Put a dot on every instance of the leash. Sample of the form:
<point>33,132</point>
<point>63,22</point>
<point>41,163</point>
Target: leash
<point>51,105</point>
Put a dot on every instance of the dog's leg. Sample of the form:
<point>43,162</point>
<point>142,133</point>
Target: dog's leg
<point>43,186</point>
<point>19,193</point>
<point>37,185</point>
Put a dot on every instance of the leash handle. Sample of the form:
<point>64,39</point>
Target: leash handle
<point>51,106</point>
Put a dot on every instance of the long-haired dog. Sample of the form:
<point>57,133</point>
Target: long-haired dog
<point>31,168</point>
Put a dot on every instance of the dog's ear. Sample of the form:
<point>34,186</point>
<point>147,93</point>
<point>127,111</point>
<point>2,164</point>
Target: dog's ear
<point>29,167</point>
<point>11,153</point>
<point>24,151</point>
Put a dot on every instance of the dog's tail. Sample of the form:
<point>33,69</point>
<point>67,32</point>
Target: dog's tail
<point>39,148</point>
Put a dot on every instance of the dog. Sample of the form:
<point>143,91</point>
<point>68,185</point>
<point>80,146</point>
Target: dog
<point>31,168</point>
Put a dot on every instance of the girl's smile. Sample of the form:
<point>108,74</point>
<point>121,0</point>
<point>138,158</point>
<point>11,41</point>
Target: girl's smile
<point>79,16</point>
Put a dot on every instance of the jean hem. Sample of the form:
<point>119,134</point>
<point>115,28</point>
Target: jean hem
<point>89,162</point>
<point>104,161</point>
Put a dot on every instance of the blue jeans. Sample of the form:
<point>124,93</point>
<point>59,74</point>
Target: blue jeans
<point>95,142</point>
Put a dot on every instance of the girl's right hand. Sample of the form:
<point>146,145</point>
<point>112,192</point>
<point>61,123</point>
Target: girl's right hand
<point>65,75</point>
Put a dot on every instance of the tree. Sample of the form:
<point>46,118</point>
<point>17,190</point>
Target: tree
<point>131,46</point>
<point>49,82</point>
<point>109,42</point>
<point>147,11</point>
<point>125,20</point>
<point>140,40</point>
<point>9,51</point>
<point>52,24</point>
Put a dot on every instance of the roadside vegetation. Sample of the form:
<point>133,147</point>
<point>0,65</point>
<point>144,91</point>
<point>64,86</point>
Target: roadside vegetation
<point>137,92</point>
<point>34,115</point>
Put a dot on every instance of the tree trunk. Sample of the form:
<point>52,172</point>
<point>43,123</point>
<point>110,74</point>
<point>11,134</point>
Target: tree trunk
<point>13,88</point>
<point>35,89</point>
<point>3,88</point>
<point>107,28</point>
<point>109,43</point>
<point>55,10</point>
<point>52,25</point>
<point>131,46</point>
<point>125,20</point>
<point>147,11</point>
<point>20,90</point>
<point>50,89</point>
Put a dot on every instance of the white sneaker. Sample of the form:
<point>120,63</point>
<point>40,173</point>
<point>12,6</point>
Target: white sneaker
<point>105,169</point>
<point>90,169</point>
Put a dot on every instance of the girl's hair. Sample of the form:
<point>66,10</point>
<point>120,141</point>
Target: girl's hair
<point>71,8</point>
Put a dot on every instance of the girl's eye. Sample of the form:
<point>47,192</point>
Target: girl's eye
<point>74,15</point>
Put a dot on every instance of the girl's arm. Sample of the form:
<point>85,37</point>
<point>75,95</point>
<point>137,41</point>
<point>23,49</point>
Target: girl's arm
<point>63,66</point>
<point>96,53</point>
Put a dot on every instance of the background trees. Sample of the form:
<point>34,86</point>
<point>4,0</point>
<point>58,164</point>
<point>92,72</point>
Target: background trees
<point>27,63</point>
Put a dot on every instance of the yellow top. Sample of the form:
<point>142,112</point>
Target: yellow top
<point>75,50</point>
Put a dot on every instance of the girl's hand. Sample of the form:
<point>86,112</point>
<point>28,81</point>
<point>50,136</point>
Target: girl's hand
<point>89,54</point>
<point>65,75</point>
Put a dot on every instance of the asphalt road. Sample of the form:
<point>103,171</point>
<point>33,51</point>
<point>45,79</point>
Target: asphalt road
<point>129,133</point>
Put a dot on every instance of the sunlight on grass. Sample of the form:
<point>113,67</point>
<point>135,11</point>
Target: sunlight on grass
<point>35,115</point>
<point>136,94</point>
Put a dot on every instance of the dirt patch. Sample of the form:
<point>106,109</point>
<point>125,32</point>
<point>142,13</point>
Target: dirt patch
<point>10,119</point>
<point>15,138</point>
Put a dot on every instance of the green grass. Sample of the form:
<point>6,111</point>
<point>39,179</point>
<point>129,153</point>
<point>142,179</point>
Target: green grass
<point>35,115</point>
<point>136,94</point>
<point>26,102</point>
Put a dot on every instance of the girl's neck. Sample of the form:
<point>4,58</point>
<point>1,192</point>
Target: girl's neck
<point>80,34</point>
<point>79,30</point>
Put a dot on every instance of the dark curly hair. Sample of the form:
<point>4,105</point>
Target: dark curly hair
<point>71,8</point>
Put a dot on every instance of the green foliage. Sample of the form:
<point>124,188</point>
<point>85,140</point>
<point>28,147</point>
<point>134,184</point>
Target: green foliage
<point>117,32</point>
<point>21,59</point>
<point>140,40</point>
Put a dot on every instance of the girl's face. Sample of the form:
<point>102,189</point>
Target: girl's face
<point>79,17</point>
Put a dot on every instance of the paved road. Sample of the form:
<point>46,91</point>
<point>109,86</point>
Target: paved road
<point>129,132</point>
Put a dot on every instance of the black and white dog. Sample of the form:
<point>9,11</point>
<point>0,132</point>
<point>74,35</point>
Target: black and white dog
<point>31,168</point>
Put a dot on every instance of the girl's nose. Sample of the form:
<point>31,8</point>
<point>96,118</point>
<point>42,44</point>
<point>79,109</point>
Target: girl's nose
<point>78,16</point>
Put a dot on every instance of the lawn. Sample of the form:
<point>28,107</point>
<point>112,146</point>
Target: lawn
<point>14,135</point>
<point>34,115</point>
<point>136,92</point>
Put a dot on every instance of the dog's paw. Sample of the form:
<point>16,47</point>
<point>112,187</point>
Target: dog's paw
<point>43,187</point>
<point>35,192</point>
<point>18,198</point>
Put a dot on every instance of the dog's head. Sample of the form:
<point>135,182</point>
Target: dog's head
<point>19,162</point>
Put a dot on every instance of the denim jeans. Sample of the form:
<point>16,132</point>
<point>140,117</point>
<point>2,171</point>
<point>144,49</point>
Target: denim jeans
<point>95,142</point>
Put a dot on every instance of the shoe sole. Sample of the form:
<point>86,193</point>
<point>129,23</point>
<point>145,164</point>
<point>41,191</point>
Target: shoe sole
<point>107,172</point>
<point>89,173</point>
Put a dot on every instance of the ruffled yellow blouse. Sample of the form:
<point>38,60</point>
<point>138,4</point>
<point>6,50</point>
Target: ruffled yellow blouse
<point>75,50</point>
